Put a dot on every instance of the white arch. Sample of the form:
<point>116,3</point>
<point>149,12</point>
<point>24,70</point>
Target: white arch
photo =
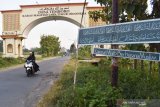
<point>43,19</point>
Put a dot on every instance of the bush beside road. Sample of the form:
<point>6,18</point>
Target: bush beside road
<point>93,87</point>
<point>7,62</point>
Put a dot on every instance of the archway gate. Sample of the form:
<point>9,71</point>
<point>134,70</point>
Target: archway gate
<point>18,23</point>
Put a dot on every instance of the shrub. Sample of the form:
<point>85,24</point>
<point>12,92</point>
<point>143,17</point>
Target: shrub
<point>93,88</point>
<point>6,62</point>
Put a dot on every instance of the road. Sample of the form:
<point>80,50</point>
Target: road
<point>18,90</point>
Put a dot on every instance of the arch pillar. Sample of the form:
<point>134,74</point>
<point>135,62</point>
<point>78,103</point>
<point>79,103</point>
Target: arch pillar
<point>4,46</point>
<point>15,41</point>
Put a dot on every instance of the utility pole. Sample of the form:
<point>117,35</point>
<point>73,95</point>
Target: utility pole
<point>114,72</point>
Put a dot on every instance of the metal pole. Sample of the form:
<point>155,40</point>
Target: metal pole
<point>76,65</point>
<point>114,72</point>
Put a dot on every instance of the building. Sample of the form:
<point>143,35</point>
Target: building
<point>18,23</point>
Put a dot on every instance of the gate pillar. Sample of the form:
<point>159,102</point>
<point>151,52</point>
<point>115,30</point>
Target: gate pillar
<point>12,46</point>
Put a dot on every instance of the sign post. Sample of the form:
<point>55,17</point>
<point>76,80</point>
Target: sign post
<point>146,31</point>
<point>115,19</point>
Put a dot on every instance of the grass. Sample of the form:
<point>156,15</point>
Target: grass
<point>1,53</point>
<point>7,62</point>
<point>66,79</point>
<point>93,88</point>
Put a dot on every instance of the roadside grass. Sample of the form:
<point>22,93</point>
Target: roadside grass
<point>1,53</point>
<point>93,87</point>
<point>7,62</point>
<point>65,80</point>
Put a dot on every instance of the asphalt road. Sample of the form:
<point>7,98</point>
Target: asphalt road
<point>18,90</point>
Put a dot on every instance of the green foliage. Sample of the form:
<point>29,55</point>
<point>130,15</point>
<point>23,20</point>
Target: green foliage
<point>50,45</point>
<point>1,53</point>
<point>36,50</point>
<point>60,87</point>
<point>25,50</point>
<point>6,62</point>
<point>93,87</point>
<point>129,10</point>
<point>139,47</point>
<point>84,52</point>
<point>105,14</point>
<point>137,85</point>
<point>73,48</point>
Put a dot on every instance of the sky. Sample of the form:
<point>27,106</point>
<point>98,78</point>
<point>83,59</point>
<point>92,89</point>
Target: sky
<point>66,31</point>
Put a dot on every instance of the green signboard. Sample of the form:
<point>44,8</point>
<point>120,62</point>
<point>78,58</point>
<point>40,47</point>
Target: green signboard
<point>128,54</point>
<point>147,31</point>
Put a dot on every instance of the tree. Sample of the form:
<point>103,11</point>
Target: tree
<point>26,50</point>
<point>84,52</point>
<point>36,50</point>
<point>73,48</point>
<point>50,45</point>
<point>129,10</point>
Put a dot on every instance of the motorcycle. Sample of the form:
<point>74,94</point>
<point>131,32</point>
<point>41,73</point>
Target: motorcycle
<point>29,68</point>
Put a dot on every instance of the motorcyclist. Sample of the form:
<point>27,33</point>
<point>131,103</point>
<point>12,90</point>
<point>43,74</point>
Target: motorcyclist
<point>33,58</point>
